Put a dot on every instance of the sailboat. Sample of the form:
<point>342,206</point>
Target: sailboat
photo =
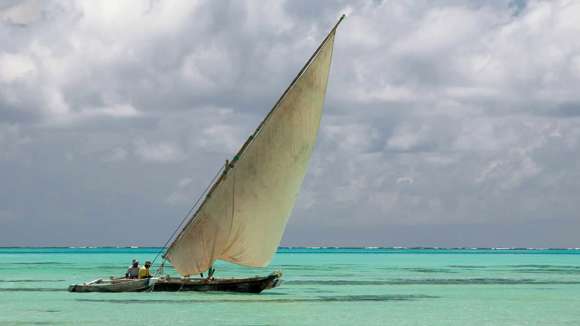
<point>245,209</point>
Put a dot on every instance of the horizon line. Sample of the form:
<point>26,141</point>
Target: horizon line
<point>310,247</point>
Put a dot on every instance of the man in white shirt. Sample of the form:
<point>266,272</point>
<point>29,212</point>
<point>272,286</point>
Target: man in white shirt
<point>133,270</point>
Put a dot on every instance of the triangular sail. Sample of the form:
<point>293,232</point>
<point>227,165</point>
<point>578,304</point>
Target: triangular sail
<point>244,215</point>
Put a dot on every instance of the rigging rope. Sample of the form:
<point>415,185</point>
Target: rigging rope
<point>186,217</point>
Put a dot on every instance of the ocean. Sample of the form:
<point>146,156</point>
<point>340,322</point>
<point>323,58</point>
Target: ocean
<point>322,286</point>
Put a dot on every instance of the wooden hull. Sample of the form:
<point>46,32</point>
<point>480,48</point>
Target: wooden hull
<point>244,285</point>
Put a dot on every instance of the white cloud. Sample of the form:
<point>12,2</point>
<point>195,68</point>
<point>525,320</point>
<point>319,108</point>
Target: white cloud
<point>510,172</point>
<point>21,12</point>
<point>407,137</point>
<point>436,112</point>
<point>209,69</point>
<point>221,137</point>
<point>441,30</point>
<point>183,194</point>
<point>117,110</point>
<point>350,137</point>
<point>15,67</point>
<point>159,152</point>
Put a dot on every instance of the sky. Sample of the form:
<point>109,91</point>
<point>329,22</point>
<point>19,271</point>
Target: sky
<point>446,123</point>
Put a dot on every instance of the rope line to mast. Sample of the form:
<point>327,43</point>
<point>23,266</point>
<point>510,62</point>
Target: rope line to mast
<point>186,217</point>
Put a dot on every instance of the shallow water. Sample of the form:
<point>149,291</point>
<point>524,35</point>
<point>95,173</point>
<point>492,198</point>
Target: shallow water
<point>327,286</point>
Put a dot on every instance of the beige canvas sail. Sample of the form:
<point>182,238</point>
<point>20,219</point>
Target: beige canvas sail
<point>243,217</point>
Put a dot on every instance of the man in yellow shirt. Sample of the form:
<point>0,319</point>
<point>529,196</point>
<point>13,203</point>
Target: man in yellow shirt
<point>144,271</point>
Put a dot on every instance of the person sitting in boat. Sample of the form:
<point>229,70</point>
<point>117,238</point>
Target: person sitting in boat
<point>144,271</point>
<point>133,270</point>
<point>210,272</point>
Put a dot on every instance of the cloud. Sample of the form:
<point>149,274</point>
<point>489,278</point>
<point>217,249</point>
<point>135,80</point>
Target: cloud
<point>162,152</point>
<point>20,13</point>
<point>15,67</point>
<point>117,154</point>
<point>437,113</point>
<point>182,194</point>
<point>405,180</point>
<point>226,138</point>
<point>119,110</point>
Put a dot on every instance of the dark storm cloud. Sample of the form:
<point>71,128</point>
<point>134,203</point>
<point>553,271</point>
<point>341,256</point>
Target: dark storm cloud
<point>447,116</point>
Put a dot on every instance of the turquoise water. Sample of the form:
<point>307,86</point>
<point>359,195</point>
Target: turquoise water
<point>322,287</point>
